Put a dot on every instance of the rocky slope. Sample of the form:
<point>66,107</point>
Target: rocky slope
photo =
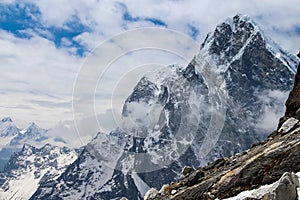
<point>175,116</point>
<point>264,163</point>
<point>32,166</point>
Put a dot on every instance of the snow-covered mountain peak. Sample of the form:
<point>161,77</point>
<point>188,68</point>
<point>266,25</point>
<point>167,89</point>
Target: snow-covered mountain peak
<point>239,36</point>
<point>13,139</point>
<point>5,123</point>
<point>160,75</point>
<point>240,21</point>
<point>224,33</point>
<point>6,119</point>
<point>8,128</point>
<point>32,126</point>
<point>33,131</point>
<point>27,147</point>
<point>152,83</point>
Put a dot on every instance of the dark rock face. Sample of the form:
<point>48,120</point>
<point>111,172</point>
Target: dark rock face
<point>293,102</point>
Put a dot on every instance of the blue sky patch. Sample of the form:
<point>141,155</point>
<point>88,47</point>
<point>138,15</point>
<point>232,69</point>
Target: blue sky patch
<point>129,18</point>
<point>16,18</point>
<point>156,22</point>
<point>193,31</point>
<point>19,18</point>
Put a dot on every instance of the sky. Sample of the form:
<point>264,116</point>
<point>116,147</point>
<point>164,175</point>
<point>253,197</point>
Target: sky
<point>44,44</point>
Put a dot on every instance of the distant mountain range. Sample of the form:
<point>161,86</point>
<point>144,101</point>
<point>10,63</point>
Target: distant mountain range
<point>12,138</point>
<point>30,167</point>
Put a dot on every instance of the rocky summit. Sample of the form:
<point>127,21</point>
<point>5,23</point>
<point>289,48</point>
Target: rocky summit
<point>265,171</point>
<point>237,80</point>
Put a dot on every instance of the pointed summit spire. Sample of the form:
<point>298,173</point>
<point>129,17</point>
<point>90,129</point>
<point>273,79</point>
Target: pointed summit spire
<point>6,119</point>
<point>32,124</point>
<point>240,38</point>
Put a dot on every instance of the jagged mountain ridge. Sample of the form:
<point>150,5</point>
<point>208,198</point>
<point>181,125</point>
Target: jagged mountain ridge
<point>250,67</point>
<point>13,138</point>
<point>31,132</point>
<point>250,174</point>
<point>31,166</point>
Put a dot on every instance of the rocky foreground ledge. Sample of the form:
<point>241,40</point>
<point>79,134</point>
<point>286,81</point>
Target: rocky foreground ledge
<point>264,163</point>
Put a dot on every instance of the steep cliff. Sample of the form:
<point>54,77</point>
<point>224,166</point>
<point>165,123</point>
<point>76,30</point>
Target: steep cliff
<point>264,163</point>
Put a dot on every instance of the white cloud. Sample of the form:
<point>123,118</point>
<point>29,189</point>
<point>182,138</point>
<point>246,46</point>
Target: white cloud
<point>273,108</point>
<point>43,109</point>
<point>84,130</point>
<point>34,71</point>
